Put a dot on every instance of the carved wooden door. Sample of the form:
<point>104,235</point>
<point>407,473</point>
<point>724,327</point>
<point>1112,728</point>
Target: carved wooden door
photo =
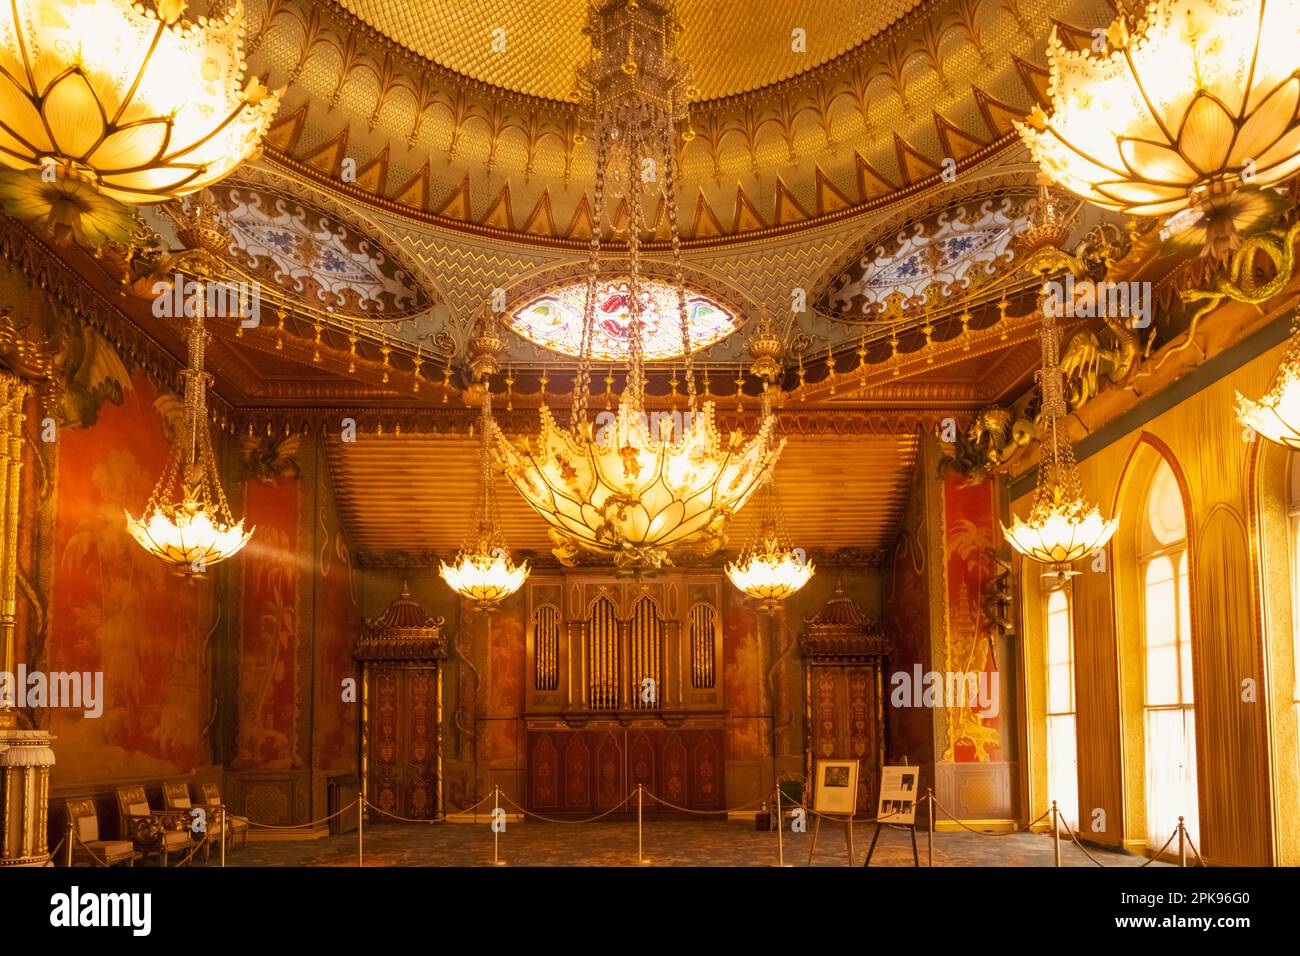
<point>846,723</point>
<point>402,771</point>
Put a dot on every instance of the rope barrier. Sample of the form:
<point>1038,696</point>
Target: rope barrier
<point>599,816</point>
<point>935,802</point>
<point>1188,837</point>
<point>309,823</point>
<point>752,805</point>
<point>1065,823</point>
<point>54,854</point>
<point>441,819</point>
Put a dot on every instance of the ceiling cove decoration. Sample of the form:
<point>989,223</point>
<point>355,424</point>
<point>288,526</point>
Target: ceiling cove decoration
<point>322,263</point>
<point>958,248</point>
<point>936,80</point>
<point>554,320</point>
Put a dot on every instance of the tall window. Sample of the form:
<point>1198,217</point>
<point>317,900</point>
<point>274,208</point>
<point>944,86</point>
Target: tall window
<point>1293,524</point>
<point>1167,645</point>
<point>1062,769</point>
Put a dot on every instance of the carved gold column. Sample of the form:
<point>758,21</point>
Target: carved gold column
<point>25,755</point>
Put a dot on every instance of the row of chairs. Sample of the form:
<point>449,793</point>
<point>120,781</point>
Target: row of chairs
<point>175,832</point>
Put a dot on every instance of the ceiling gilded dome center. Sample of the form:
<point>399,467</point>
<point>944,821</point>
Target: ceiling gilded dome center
<point>533,47</point>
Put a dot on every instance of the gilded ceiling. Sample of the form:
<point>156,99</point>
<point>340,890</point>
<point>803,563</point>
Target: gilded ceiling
<point>535,47</point>
<point>433,125</point>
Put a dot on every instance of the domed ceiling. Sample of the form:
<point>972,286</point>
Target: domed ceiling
<point>535,47</point>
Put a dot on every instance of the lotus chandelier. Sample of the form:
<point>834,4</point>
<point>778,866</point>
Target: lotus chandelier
<point>187,521</point>
<point>1062,526</point>
<point>1185,106</point>
<point>132,100</point>
<point>630,491</point>
<point>482,571</point>
<point>768,569</point>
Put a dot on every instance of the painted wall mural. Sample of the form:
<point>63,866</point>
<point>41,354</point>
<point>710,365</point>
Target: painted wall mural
<point>336,620</point>
<point>970,535</point>
<point>271,572</point>
<point>117,611</point>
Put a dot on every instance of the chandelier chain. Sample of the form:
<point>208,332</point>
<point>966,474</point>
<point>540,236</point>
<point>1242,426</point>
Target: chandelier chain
<point>679,275</point>
<point>582,388</point>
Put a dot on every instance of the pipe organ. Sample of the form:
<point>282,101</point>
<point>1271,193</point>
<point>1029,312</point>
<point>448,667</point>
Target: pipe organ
<point>622,690</point>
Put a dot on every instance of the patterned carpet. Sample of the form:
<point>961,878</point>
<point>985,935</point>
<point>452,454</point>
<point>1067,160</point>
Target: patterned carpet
<point>665,843</point>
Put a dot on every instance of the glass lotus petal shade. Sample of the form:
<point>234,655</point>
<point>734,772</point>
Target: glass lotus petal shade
<point>187,521</point>
<point>632,495</point>
<point>1276,416</point>
<point>145,106</point>
<point>484,578</point>
<point>1200,98</point>
<point>1060,530</point>
<point>771,576</point>
<point>186,536</point>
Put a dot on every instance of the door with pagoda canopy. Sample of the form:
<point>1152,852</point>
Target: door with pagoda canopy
<point>845,655</point>
<point>401,654</point>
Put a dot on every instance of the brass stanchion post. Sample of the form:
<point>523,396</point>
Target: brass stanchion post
<point>780,825</point>
<point>929,848</point>
<point>361,819</point>
<point>70,839</point>
<point>640,857</point>
<point>498,821</point>
<point>1182,844</point>
<point>1056,834</point>
<point>225,833</point>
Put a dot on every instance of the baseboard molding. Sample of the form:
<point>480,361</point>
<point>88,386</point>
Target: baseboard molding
<point>481,817</point>
<point>286,836</point>
<point>992,826</point>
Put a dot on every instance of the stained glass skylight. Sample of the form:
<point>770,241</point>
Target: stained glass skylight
<point>553,320</point>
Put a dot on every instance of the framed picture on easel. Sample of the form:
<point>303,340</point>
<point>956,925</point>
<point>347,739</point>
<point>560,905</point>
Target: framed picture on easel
<point>835,787</point>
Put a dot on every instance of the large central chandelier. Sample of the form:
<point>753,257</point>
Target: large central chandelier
<point>187,521</point>
<point>130,101</point>
<point>633,492</point>
<point>1193,101</point>
<point>483,571</point>
<point>1062,525</point>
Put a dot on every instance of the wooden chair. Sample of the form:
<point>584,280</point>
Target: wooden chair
<point>210,796</point>
<point>160,833</point>
<point>176,798</point>
<point>87,849</point>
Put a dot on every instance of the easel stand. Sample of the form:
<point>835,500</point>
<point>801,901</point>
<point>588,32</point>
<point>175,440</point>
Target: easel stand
<point>848,824</point>
<point>916,856</point>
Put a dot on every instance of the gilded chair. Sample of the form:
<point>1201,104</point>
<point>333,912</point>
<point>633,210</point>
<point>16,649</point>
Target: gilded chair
<point>86,848</point>
<point>159,833</point>
<point>210,796</point>
<point>176,799</point>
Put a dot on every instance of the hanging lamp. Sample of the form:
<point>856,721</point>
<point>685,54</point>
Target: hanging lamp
<point>482,571</point>
<point>187,521</point>
<point>634,493</point>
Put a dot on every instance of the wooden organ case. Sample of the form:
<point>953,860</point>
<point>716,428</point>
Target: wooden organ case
<point>624,687</point>
<point>845,658</point>
<point>401,654</point>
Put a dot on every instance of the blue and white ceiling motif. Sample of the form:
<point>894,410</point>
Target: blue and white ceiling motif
<point>960,247</point>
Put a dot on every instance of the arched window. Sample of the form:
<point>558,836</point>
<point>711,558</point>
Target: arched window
<point>1293,530</point>
<point>1167,653</point>
<point>1062,768</point>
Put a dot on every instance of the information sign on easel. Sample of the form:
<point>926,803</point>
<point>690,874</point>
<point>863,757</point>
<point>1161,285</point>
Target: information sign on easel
<point>899,792</point>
